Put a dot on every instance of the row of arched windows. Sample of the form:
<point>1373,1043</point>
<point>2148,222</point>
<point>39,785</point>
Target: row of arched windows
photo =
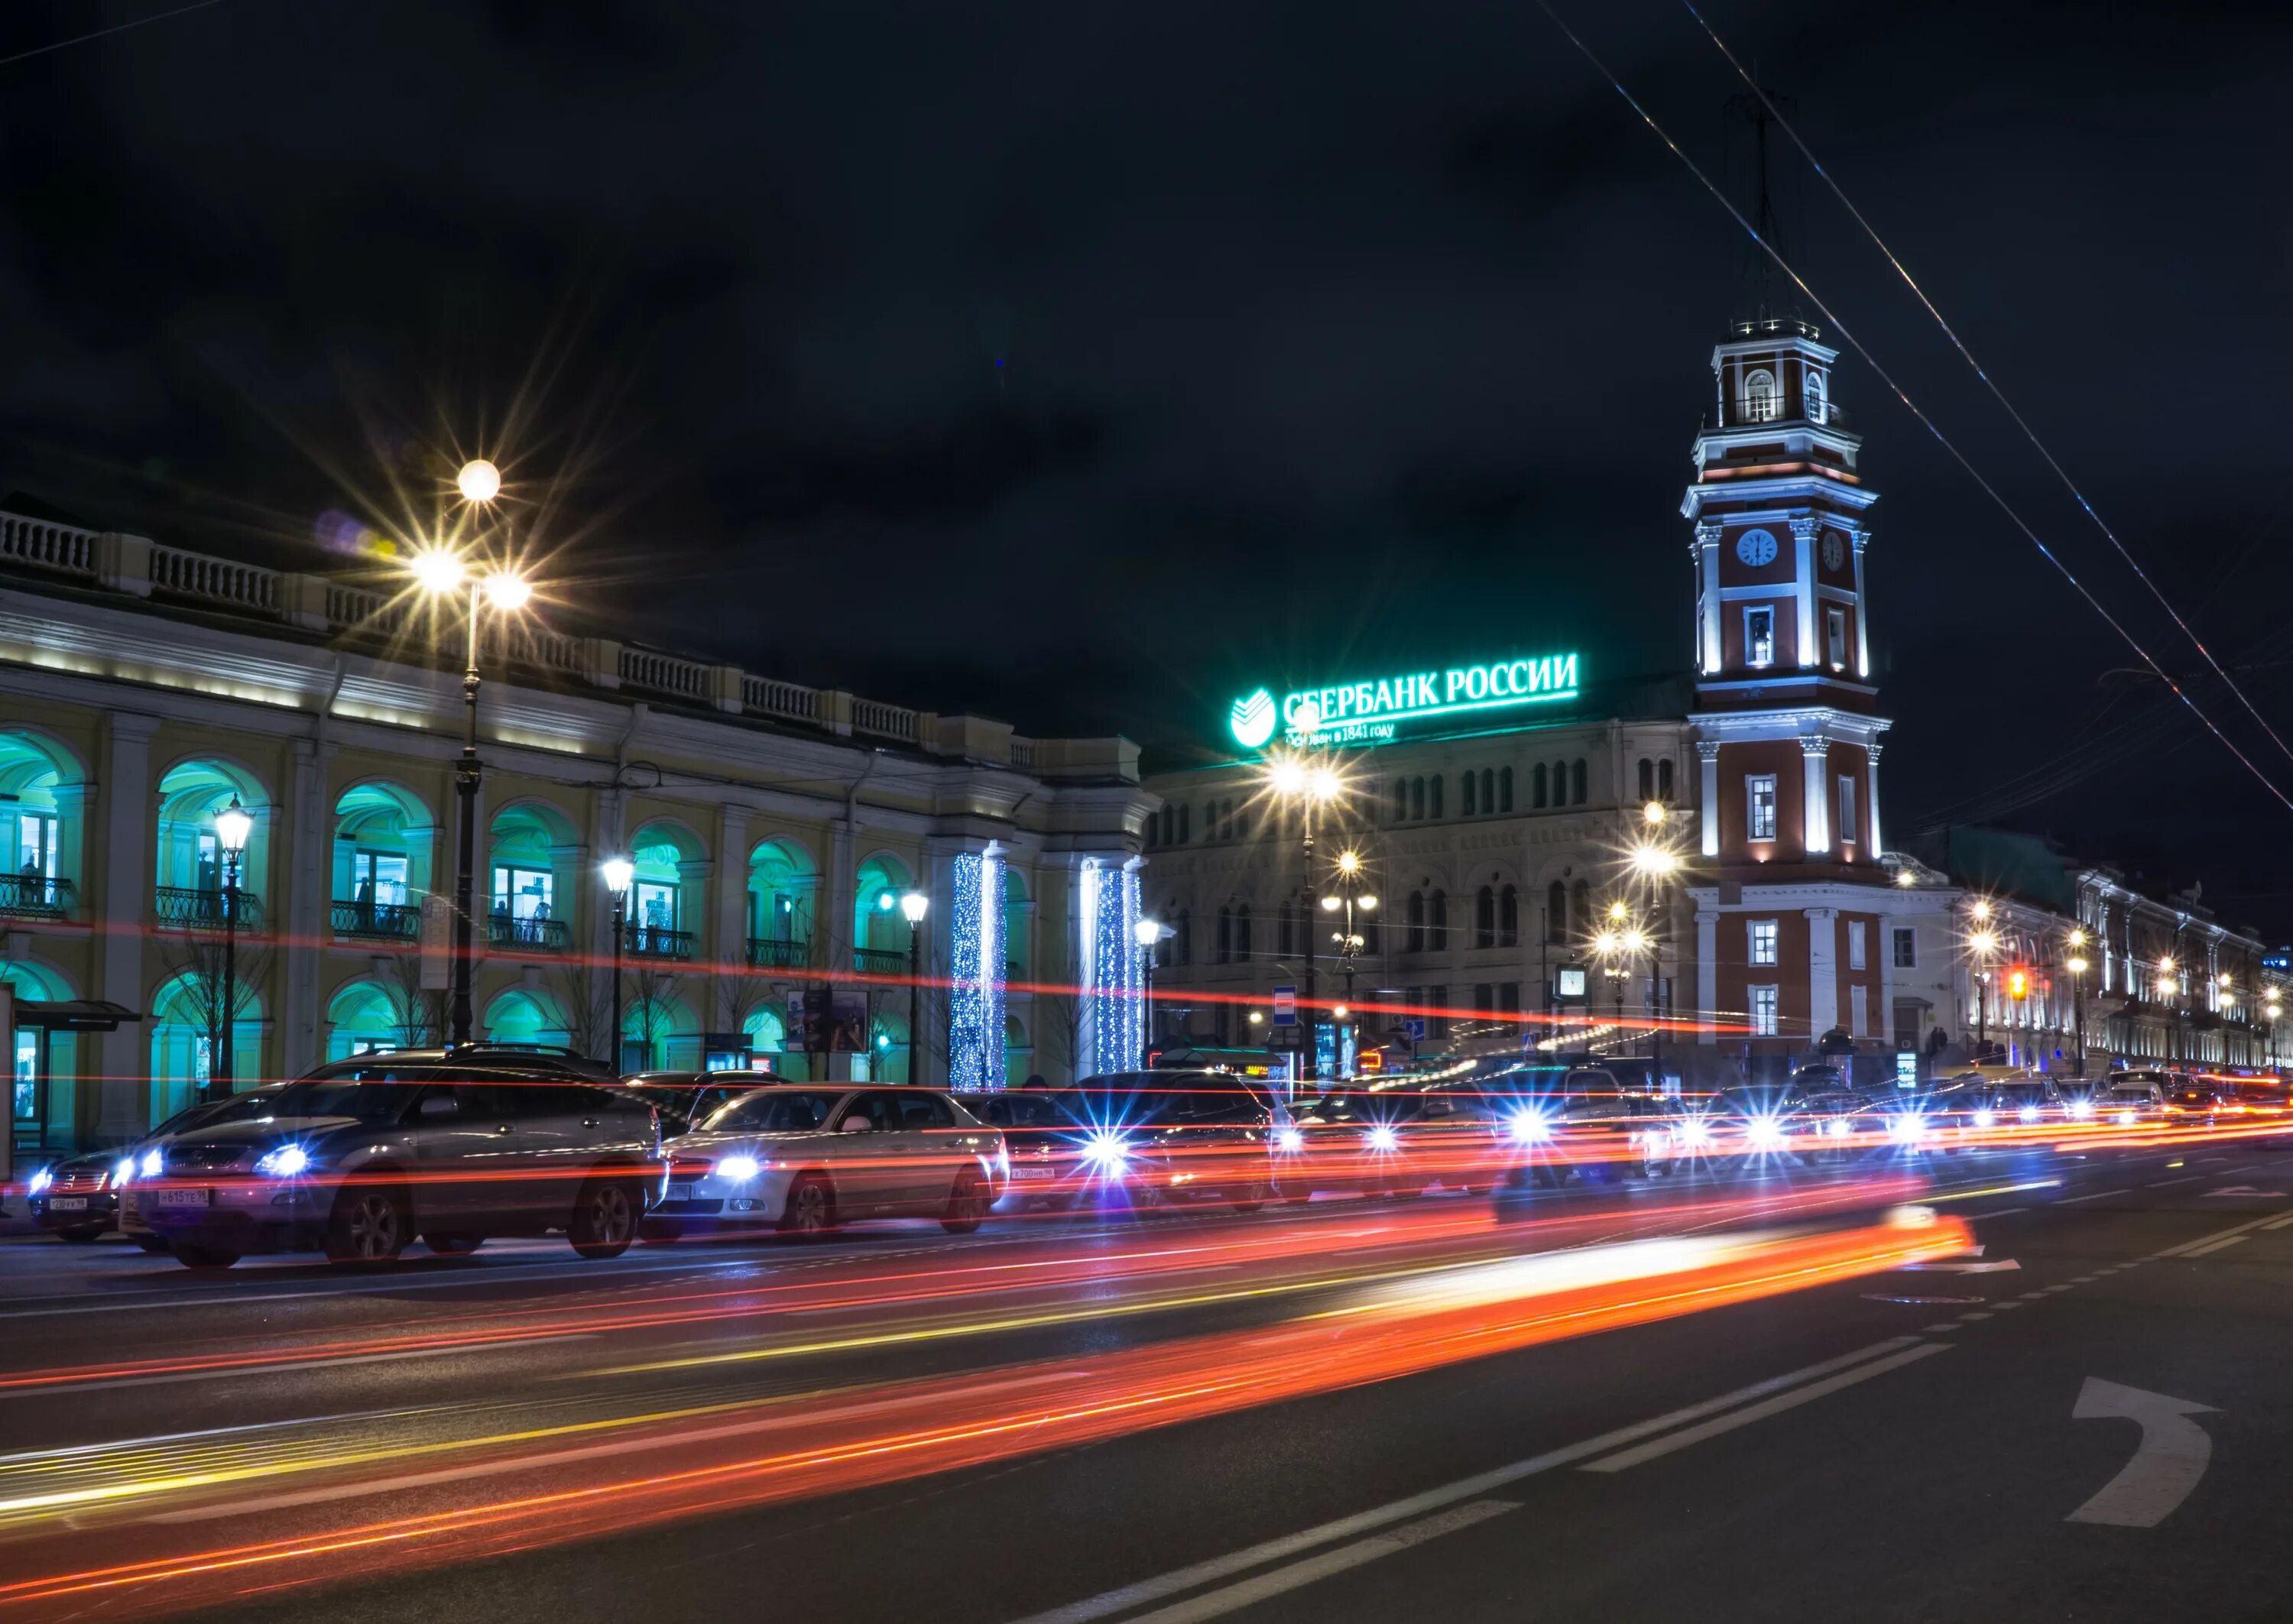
<point>1234,934</point>
<point>1655,779</point>
<point>1496,917</point>
<point>1426,923</point>
<point>1490,790</point>
<point>1174,825</point>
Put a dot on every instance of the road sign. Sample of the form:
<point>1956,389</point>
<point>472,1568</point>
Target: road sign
<point>2166,1464</point>
<point>1906,1069</point>
<point>1416,1026</point>
<point>1285,1006</point>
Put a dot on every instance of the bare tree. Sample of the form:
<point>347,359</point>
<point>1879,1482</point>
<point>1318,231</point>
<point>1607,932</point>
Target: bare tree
<point>653,1002</point>
<point>1061,1020</point>
<point>417,1016</point>
<point>587,1004</point>
<point>195,963</point>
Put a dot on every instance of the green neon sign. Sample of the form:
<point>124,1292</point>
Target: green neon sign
<point>1371,712</point>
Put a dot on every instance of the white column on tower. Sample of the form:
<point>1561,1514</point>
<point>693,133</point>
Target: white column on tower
<point>1815,821</point>
<point>1705,550</point>
<point>1822,971</point>
<point>1871,795</point>
<point>1708,749</point>
<point>1862,539</point>
<point>1803,534</point>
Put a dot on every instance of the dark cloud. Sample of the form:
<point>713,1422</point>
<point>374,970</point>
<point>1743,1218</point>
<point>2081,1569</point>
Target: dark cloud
<point>1078,364</point>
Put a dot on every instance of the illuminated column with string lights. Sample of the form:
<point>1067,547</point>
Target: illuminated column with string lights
<point>975,930</point>
<point>1114,1033</point>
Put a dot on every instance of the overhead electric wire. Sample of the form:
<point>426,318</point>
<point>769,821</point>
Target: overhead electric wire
<point>1988,382</point>
<point>1912,406</point>
<point>117,28</point>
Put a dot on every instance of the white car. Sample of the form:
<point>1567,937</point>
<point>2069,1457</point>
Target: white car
<point>808,1160</point>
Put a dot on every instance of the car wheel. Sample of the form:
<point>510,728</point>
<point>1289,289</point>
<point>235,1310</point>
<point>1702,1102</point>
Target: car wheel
<point>604,1219</point>
<point>204,1257</point>
<point>81,1234</point>
<point>966,1204</point>
<point>369,1227</point>
<point>1257,1197</point>
<point>453,1246</point>
<point>809,1213</point>
<point>152,1243</point>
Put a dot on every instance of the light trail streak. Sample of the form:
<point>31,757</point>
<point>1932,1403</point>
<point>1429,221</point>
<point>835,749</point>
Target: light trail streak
<point>935,1425</point>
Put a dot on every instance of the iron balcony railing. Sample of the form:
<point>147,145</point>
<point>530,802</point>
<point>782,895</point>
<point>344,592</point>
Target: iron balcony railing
<point>378,921</point>
<point>528,935</point>
<point>31,896</point>
<point>766,954</point>
<point>878,961</point>
<point>651,942</point>
<point>185,907</point>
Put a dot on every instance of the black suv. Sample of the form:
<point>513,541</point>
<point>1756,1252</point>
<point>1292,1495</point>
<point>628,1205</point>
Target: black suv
<point>456,1145</point>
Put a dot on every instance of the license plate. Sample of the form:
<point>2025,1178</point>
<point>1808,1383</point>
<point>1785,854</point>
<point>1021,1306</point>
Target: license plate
<point>183,1198</point>
<point>1034,1173</point>
<point>679,1192</point>
<point>67,1203</point>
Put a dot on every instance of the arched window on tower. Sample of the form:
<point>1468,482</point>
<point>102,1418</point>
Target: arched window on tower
<point>1485,917</point>
<point>1536,786</point>
<point>1412,939</point>
<point>1556,912</point>
<point>1664,779</point>
<point>1509,917</point>
<point>1436,921</point>
<point>1576,782</point>
<point>1504,789</point>
<point>1759,396</point>
<point>1465,795</point>
<point>1648,779</point>
<point>1816,403</point>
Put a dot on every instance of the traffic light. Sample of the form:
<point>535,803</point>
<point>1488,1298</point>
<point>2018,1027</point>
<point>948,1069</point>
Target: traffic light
<point>2018,984</point>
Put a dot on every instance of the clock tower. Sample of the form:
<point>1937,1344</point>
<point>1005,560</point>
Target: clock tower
<point>1786,712</point>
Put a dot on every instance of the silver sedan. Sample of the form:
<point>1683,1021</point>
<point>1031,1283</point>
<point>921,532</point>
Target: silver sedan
<point>808,1160</point>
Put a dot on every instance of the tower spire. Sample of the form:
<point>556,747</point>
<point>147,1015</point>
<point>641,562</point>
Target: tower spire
<point>1768,298</point>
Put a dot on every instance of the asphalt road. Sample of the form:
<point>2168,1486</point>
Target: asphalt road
<point>1683,1399</point>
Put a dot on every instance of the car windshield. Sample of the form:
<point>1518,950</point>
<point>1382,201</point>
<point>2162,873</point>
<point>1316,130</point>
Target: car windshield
<point>778,1111</point>
<point>378,1094</point>
<point>2138,1094</point>
<point>1133,1099</point>
<point>2023,1093</point>
<point>1355,1105</point>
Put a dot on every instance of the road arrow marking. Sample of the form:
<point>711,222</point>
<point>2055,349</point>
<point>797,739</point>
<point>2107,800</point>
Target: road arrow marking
<point>2000,1266</point>
<point>2166,1466</point>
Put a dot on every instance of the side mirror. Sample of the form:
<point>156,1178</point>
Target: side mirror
<point>856,1124</point>
<point>441,1105</point>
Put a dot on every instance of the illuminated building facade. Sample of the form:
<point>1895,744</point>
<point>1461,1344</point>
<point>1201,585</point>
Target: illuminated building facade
<point>773,829</point>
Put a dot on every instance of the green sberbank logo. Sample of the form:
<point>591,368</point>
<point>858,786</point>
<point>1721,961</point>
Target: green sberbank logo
<point>1252,720</point>
<point>1373,711</point>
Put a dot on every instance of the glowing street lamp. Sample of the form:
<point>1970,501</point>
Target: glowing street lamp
<point>438,571</point>
<point>1983,944</point>
<point>913,907</point>
<point>234,824</point>
<point>2078,968</point>
<point>1310,783</point>
<point>620,874</point>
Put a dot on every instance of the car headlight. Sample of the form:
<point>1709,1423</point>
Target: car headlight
<point>284,1162</point>
<point>1985,1118</point>
<point>1384,1138</point>
<point>1530,1128</point>
<point>1908,1129</point>
<point>125,1171</point>
<point>739,1169</point>
<point>1291,1140</point>
<point>1837,1127</point>
<point>2126,1118</point>
<point>1695,1132</point>
<point>1764,1132</point>
<point>152,1162</point>
<point>2081,1109</point>
<point>2029,1113</point>
<point>40,1181</point>
<point>1107,1152</point>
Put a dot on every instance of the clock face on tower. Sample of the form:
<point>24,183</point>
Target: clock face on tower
<point>1834,550</point>
<point>1756,548</point>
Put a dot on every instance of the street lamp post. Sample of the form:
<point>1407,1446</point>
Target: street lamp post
<point>1309,783</point>
<point>1657,861</point>
<point>2078,968</point>
<point>620,874</point>
<point>1147,933</point>
<point>440,571</point>
<point>233,825</point>
<point>913,907</point>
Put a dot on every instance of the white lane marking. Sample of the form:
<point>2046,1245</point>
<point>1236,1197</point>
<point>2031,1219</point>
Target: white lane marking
<point>2072,1200</point>
<point>1126,1596</point>
<point>2083,1280</point>
<point>2006,1307</point>
<point>2165,1183</point>
<point>2051,1290</point>
<point>1260,1587</point>
<point>1974,1314</point>
<point>2279,1223</point>
<point>1998,1267</point>
<point>2003,1212</point>
<point>2188,1247</point>
<point>2166,1464</point>
<point>2032,1297</point>
<point>106,1384</point>
<point>1797,1396</point>
<point>1942,1328</point>
<point>2223,1245</point>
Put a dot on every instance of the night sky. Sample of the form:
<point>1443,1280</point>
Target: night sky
<point>1088,364</point>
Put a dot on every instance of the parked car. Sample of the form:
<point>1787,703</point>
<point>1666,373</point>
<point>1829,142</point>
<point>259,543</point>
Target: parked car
<point>685,1099</point>
<point>1050,1149</point>
<point>2133,1098</point>
<point>1177,1136</point>
<point>143,1157</point>
<point>74,1199</point>
<point>810,1159</point>
<point>2197,1102</point>
<point>456,1145</point>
